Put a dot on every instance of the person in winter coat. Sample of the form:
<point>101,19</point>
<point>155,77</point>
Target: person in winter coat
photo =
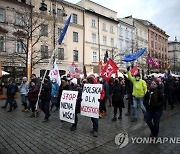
<point>76,87</point>
<point>54,93</point>
<point>154,100</point>
<point>170,91</point>
<point>104,101</point>
<point>33,96</point>
<point>117,98</point>
<point>45,97</point>
<point>139,91</point>
<point>64,86</point>
<point>11,91</point>
<point>129,89</point>
<point>24,90</point>
<point>111,81</point>
<point>92,80</point>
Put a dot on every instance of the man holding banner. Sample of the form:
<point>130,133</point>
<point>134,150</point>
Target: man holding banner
<point>90,102</point>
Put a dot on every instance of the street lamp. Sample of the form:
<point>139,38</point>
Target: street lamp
<point>43,7</point>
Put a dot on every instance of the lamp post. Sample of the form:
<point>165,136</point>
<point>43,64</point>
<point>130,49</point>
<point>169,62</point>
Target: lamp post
<point>43,7</point>
<point>29,46</point>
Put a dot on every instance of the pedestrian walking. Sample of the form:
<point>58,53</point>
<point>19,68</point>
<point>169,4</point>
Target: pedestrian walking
<point>139,91</point>
<point>33,97</point>
<point>94,131</point>
<point>11,91</point>
<point>54,93</point>
<point>153,101</point>
<point>45,97</point>
<point>75,86</point>
<point>117,98</point>
<point>24,90</point>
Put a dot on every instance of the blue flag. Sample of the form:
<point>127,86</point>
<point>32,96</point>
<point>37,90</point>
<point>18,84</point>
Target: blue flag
<point>63,32</point>
<point>132,57</point>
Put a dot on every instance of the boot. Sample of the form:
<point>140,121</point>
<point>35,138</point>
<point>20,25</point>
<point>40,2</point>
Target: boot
<point>32,115</point>
<point>120,117</point>
<point>134,120</point>
<point>114,119</point>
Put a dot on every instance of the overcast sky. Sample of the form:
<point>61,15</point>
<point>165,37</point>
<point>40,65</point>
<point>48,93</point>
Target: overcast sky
<point>163,13</point>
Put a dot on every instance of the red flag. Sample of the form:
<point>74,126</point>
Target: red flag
<point>109,69</point>
<point>134,70</point>
<point>100,63</point>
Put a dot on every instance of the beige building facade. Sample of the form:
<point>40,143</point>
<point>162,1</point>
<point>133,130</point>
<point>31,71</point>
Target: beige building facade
<point>12,36</point>
<point>141,41</point>
<point>72,47</point>
<point>101,29</point>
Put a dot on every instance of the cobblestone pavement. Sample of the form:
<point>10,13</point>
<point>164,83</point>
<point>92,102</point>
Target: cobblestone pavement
<point>24,135</point>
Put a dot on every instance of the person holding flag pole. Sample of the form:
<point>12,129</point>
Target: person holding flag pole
<point>61,37</point>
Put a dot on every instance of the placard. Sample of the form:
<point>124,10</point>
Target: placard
<point>90,104</point>
<point>68,105</point>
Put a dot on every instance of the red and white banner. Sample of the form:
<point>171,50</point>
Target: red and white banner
<point>54,73</point>
<point>68,105</point>
<point>90,96</point>
<point>109,69</point>
<point>134,70</point>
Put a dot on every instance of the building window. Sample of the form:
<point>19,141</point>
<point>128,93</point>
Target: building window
<point>145,34</point>
<point>140,32</point>
<point>104,27</point>
<point>94,56</point>
<point>93,23</point>
<point>44,30</point>
<point>127,34</point>
<point>155,45</point>
<point>75,37</point>
<point>2,43</point>
<point>152,44</point>
<point>19,19</point>
<point>19,46</point>
<point>75,55</point>
<point>120,46</point>
<point>74,18</point>
<point>61,54</point>
<point>104,40</point>
<point>44,52</point>
<point>127,45</point>
<point>94,38</point>
<point>2,15</point>
<point>111,29</point>
<point>121,32</point>
<point>112,42</point>
<point>151,34</point>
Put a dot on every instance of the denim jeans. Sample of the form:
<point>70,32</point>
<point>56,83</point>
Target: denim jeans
<point>14,102</point>
<point>135,102</point>
<point>154,126</point>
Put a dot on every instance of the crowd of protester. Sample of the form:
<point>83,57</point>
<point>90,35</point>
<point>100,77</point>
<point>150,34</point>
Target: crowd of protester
<point>152,95</point>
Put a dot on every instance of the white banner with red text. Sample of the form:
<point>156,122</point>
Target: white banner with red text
<point>90,97</point>
<point>68,105</point>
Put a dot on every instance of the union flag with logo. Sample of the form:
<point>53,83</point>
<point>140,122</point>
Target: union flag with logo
<point>109,68</point>
<point>54,73</point>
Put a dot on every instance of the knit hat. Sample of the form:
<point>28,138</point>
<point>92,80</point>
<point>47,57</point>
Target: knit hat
<point>24,79</point>
<point>158,80</point>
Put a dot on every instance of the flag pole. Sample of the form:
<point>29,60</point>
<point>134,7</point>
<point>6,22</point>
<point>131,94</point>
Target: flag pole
<point>52,58</point>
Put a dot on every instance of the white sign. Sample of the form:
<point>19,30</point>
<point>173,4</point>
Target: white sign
<point>90,103</point>
<point>68,105</point>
